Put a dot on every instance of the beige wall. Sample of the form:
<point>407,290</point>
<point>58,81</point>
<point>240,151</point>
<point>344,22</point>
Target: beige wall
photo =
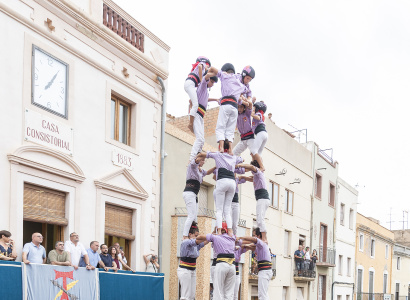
<point>379,263</point>
<point>400,273</point>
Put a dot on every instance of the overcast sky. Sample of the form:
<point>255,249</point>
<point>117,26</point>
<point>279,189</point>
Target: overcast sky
<point>341,69</point>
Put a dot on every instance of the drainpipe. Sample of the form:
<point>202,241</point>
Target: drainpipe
<point>161,176</point>
<point>346,283</point>
<point>312,199</point>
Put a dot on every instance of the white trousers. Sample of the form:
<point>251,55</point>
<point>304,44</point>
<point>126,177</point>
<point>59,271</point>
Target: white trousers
<point>224,192</point>
<point>235,216</point>
<point>212,273</point>
<point>224,281</point>
<point>261,207</point>
<point>260,141</point>
<point>226,124</point>
<point>187,280</point>
<point>242,145</point>
<point>190,88</point>
<point>199,136</point>
<point>264,278</point>
<point>237,284</point>
<point>192,209</point>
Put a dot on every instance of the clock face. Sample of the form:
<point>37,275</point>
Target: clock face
<point>49,82</point>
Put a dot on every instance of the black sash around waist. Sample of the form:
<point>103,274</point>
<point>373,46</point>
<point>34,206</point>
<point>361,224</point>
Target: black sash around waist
<point>228,258</point>
<point>214,262</point>
<point>235,198</point>
<point>247,136</point>
<point>188,263</point>
<point>264,265</point>
<point>192,185</point>
<point>229,100</point>
<point>201,110</point>
<point>261,194</point>
<point>236,267</point>
<point>224,173</point>
<point>194,78</point>
<point>259,128</point>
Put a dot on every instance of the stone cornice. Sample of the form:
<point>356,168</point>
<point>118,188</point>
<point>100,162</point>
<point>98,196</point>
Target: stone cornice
<point>109,36</point>
<point>41,31</point>
<point>29,163</point>
<point>136,24</point>
<point>374,233</point>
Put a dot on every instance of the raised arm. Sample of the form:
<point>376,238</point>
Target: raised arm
<point>201,155</point>
<point>212,71</point>
<point>246,178</point>
<point>248,239</point>
<point>200,238</point>
<point>255,116</point>
<point>247,167</point>
<point>210,171</point>
<point>200,72</point>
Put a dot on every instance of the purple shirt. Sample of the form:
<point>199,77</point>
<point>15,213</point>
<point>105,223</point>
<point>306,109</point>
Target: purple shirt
<point>193,171</point>
<point>223,244</point>
<point>255,122</point>
<point>244,121</point>
<point>224,160</point>
<point>202,93</point>
<point>258,180</point>
<point>238,182</point>
<point>240,170</point>
<point>231,85</point>
<point>189,248</point>
<point>238,252</point>
<point>196,70</point>
<point>262,251</point>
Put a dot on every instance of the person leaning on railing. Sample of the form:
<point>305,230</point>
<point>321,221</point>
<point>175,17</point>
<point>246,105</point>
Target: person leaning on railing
<point>33,252</point>
<point>58,256</point>
<point>313,260</point>
<point>299,258</point>
<point>7,251</point>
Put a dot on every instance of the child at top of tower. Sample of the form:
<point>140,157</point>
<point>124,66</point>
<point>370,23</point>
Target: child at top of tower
<point>232,87</point>
<point>199,69</point>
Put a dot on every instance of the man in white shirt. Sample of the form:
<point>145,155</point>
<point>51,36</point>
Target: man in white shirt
<point>307,259</point>
<point>76,250</point>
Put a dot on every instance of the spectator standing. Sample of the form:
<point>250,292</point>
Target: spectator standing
<point>152,263</point>
<point>107,260</point>
<point>58,256</point>
<point>33,252</point>
<point>76,250</point>
<point>120,258</point>
<point>124,259</point>
<point>299,258</point>
<point>313,260</point>
<point>7,251</point>
<point>93,257</point>
<point>307,259</point>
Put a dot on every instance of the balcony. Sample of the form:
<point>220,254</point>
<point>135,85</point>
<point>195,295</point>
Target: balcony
<point>326,257</point>
<point>253,270</point>
<point>38,281</point>
<point>304,275</point>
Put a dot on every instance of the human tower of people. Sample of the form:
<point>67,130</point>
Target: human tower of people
<point>237,109</point>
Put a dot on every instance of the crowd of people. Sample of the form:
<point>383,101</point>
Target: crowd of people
<point>73,253</point>
<point>238,109</point>
<point>304,260</point>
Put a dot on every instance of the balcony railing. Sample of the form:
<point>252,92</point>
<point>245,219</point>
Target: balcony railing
<point>121,27</point>
<point>253,269</point>
<point>203,211</point>
<point>304,275</point>
<point>374,296</point>
<point>326,257</point>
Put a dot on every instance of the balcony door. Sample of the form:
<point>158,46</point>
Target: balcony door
<point>371,282</point>
<point>321,290</point>
<point>323,243</point>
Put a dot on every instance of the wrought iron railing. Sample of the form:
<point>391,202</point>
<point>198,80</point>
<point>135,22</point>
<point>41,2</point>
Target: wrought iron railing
<point>121,27</point>
<point>304,273</point>
<point>203,211</point>
<point>373,296</point>
<point>326,255</point>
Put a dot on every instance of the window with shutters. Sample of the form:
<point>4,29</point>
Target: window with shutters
<point>44,205</point>
<point>44,212</point>
<point>118,221</point>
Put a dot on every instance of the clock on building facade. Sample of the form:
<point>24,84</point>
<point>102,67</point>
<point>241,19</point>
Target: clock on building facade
<point>49,89</point>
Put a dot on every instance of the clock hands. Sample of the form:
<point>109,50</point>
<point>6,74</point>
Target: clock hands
<point>51,81</point>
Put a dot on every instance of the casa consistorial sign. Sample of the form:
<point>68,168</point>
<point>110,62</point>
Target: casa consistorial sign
<point>48,132</point>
